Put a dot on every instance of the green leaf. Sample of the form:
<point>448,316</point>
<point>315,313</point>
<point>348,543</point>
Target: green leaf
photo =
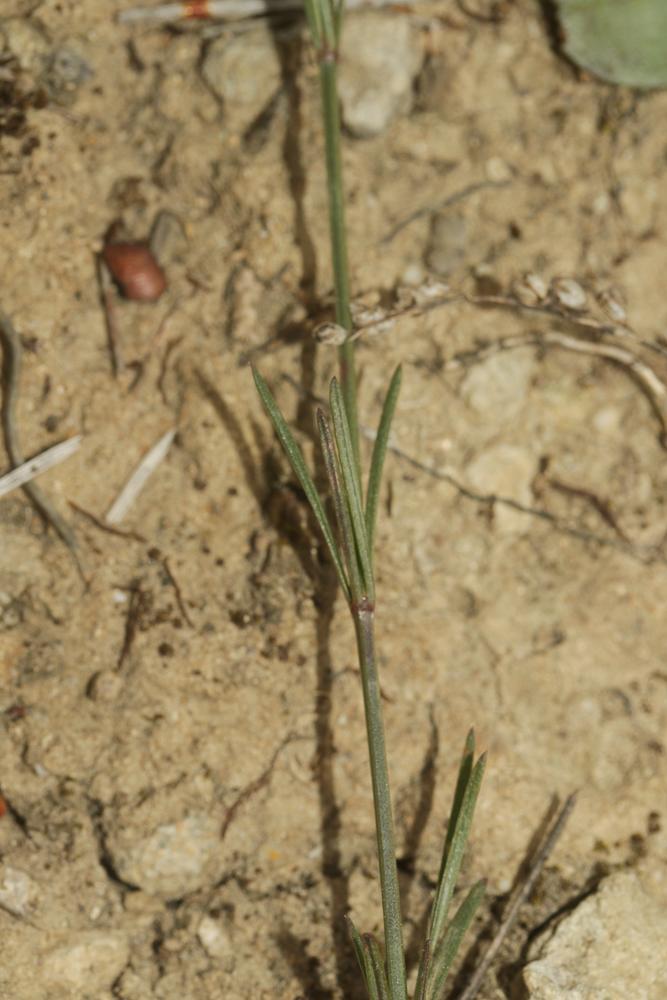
<point>455,845</point>
<point>423,972</point>
<point>300,468</point>
<point>379,452</point>
<point>339,10</point>
<point>465,767</point>
<point>622,41</point>
<point>364,960</point>
<point>377,962</point>
<point>451,940</point>
<point>340,505</point>
<point>314,18</point>
<point>352,487</point>
<point>328,23</point>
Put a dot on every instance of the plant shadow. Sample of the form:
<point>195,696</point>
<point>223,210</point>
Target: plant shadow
<point>261,479</point>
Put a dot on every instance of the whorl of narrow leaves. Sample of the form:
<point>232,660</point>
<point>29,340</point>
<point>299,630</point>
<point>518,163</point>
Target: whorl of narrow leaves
<point>352,550</point>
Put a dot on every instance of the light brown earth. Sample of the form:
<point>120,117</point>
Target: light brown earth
<point>187,795</point>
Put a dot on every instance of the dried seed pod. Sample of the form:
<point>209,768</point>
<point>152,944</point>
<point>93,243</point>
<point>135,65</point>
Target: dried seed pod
<point>611,302</point>
<point>530,290</point>
<point>569,293</point>
<point>384,326</point>
<point>368,317</point>
<point>430,291</point>
<point>135,270</point>
<point>331,334</point>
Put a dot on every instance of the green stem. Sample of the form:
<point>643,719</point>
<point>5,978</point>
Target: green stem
<point>334,163</point>
<point>364,619</point>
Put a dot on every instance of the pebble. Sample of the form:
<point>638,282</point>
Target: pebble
<point>105,686</point>
<point>216,941</point>
<point>504,470</point>
<point>88,964</point>
<point>498,386</point>
<point>607,419</point>
<point>18,892</point>
<point>244,72</point>
<point>497,170</point>
<point>381,56</point>
<point>413,274</point>
<point>67,70</point>
<point>448,242</point>
<point>611,947</point>
<point>172,860</point>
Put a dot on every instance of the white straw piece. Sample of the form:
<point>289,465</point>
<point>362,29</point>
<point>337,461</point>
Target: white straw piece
<point>139,478</point>
<point>34,467</point>
<point>221,10</point>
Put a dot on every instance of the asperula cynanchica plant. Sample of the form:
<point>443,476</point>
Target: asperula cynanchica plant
<point>135,270</point>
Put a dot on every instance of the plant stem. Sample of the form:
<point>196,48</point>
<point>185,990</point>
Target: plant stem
<point>334,163</point>
<point>364,620</point>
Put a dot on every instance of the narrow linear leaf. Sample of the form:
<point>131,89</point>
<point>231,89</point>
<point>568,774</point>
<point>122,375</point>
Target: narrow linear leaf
<point>314,18</point>
<point>364,960</point>
<point>340,506</point>
<point>339,10</point>
<point>463,778</point>
<point>465,767</point>
<point>423,973</point>
<point>379,452</point>
<point>450,871</point>
<point>327,14</point>
<point>377,962</point>
<point>451,940</point>
<point>352,485</point>
<point>300,468</point>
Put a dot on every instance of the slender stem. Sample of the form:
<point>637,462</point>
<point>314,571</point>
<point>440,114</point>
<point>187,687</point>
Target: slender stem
<point>334,163</point>
<point>364,619</point>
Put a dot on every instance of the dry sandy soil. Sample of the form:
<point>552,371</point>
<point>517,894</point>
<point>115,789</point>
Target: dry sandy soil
<point>183,764</point>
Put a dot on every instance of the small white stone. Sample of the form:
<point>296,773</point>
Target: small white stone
<point>601,204</point>
<point>214,939</point>
<point>413,274</point>
<point>382,55</point>
<point>611,947</point>
<point>88,963</point>
<point>448,242</point>
<point>497,170</point>
<point>18,892</point>
<point>607,419</point>
<point>105,686</point>
<point>171,860</point>
<point>244,72</point>
<point>499,384</point>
